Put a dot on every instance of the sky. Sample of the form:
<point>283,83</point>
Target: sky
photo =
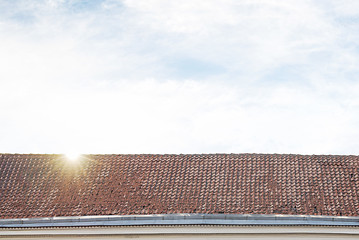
<point>189,76</point>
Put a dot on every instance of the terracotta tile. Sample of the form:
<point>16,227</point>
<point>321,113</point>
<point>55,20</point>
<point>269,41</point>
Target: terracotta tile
<point>35,185</point>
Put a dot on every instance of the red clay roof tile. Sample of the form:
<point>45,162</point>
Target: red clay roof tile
<point>40,185</point>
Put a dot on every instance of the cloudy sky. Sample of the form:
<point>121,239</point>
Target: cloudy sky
<point>189,76</point>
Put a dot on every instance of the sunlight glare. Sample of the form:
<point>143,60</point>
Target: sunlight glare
<point>72,157</point>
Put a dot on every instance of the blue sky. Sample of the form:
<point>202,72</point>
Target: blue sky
<point>155,76</point>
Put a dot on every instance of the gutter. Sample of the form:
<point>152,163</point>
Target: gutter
<point>181,219</point>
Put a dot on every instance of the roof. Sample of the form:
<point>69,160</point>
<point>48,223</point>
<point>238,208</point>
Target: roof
<point>44,185</point>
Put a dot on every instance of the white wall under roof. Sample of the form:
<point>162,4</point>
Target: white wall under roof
<point>185,232</point>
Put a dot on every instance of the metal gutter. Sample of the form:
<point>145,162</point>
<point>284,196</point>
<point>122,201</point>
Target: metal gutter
<point>181,219</point>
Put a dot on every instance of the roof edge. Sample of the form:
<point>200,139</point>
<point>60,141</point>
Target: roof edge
<point>190,154</point>
<point>181,219</point>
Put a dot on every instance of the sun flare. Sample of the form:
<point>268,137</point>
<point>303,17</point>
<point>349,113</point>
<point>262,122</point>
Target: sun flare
<point>73,157</point>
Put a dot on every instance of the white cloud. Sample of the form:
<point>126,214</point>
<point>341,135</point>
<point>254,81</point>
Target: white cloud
<point>108,77</point>
<point>246,36</point>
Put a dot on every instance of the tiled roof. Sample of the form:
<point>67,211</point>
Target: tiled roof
<point>40,185</point>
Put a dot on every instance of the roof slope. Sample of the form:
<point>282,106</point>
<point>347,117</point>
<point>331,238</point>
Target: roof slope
<point>46,185</point>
